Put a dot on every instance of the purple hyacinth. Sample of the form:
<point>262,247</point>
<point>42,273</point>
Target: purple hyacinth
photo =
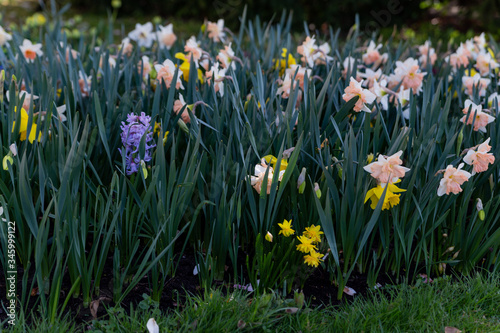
<point>132,133</point>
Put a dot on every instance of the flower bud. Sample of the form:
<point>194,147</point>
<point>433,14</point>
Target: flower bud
<point>479,207</point>
<point>13,149</point>
<point>299,299</point>
<point>182,125</point>
<point>157,20</point>
<point>116,4</point>
<point>460,138</point>
<point>479,204</point>
<point>269,237</point>
<point>301,182</point>
<point>369,158</point>
<point>144,169</point>
<point>442,267</point>
<point>317,190</point>
<point>7,161</point>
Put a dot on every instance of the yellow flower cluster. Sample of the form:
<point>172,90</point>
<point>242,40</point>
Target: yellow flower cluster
<point>308,241</point>
<point>284,62</point>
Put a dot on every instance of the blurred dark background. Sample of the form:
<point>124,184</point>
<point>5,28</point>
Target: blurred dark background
<point>429,18</point>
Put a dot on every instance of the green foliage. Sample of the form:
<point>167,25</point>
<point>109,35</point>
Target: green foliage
<point>79,213</point>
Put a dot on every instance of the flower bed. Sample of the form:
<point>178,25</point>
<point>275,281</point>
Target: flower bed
<point>269,157</point>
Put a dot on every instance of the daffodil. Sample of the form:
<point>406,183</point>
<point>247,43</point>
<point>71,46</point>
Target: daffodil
<point>143,34</point>
<point>286,228</point>
<point>185,67</point>
<point>269,237</point>
<point>23,129</point>
<point>157,130</point>
<point>306,245</point>
<point>36,20</point>
<point>313,258</point>
<point>284,62</point>
<point>314,233</point>
<point>391,198</point>
<point>4,37</point>
<point>273,160</point>
<point>30,51</point>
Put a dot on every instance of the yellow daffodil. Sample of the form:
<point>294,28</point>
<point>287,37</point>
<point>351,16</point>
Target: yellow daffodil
<point>269,237</point>
<point>391,198</point>
<point>270,159</point>
<point>313,259</point>
<point>36,20</point>
<point>472,72</point>
<point>306,245</point>
<point>156,131</point>
<point>314,233</point>
<point>286,228</point>
<point>185,67</point>
<point>23,129</point>
<point>157,128</point>
<point>281,64</point>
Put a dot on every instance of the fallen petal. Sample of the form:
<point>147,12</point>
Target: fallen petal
<point>241,324</point>
<point>94,306</point>
<point>152,326</point>
<point>349,291</point>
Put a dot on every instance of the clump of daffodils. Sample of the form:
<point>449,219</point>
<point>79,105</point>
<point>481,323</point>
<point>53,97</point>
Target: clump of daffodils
<point>309,241</point>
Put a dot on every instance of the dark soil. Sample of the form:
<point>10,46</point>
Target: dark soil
<point>318,290</point>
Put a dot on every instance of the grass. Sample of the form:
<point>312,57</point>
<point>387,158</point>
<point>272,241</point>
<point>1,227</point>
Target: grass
<point>468,304</point>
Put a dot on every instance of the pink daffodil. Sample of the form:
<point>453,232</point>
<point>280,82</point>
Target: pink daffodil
<point>480,158</point>
<point>476,115</point>
<point>365,96</point>
<point>387,169</point>
<point>452,179</point>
